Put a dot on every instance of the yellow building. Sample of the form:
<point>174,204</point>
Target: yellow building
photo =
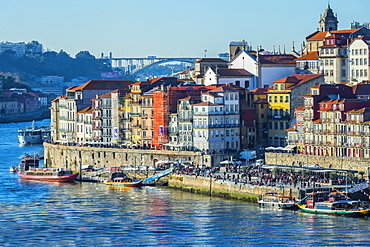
<point>283,97</point>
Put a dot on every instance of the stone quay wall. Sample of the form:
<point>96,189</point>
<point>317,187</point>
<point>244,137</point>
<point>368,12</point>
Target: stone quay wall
<point>347,163</point>
<point>74,157</point>
<point>221,188</point>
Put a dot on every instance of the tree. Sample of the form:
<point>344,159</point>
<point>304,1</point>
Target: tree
<point>84,55</point>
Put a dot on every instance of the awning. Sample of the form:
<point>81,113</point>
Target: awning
<point>289,147</point>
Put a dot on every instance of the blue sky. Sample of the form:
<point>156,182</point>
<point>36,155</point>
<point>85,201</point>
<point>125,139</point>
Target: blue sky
<point>168,28</point>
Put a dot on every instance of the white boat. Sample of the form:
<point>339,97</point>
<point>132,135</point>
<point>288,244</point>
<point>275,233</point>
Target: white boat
<point>34,134</point>
<point>273,199</point>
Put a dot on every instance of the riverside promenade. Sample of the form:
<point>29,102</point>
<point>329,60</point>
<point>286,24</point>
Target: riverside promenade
<point>229,184</point>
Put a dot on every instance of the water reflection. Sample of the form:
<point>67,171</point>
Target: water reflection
<point>48,213</point>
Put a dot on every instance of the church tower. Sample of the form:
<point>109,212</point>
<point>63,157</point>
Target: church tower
<point>328,22</point>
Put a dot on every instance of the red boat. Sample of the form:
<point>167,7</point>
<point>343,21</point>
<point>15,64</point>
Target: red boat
<point>29,169</point>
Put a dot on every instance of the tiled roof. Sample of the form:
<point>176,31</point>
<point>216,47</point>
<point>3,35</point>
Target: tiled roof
<point>108,95</point>
<point>297,79</point>
<point>361,89</point>
<point>102,84</point>
<point>206,103</point>
<point>191,98</point>
<point>259,91</point>
<point>86,110</point>
<point>318,36</point>
<point>291,129</point>
<point>277,59</point>
<point>345,31</point>
<point>261,101</point>
<point>310,56</point>
<point>233,73</point>
<point>211,60</point>
<point>223,89</point>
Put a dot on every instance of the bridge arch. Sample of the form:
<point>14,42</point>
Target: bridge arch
<point>134,65</point>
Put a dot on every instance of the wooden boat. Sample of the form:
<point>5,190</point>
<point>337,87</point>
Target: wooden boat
<point>121,179</point>
<point>279,200</point>
<point>334,203</point>
<point>29,169</point>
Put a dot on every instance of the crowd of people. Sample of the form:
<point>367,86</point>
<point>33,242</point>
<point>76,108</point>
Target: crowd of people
<point>256,175</point>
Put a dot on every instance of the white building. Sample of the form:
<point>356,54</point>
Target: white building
<point>265,68</point>
<point>84,126</point>
<point>359,59</point>
<point>237,77</point>
<point>216,123</point>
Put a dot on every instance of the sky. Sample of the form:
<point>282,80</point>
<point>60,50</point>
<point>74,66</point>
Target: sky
<point>168,28</point>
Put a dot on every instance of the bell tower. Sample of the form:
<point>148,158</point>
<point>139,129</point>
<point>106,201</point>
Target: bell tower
<point>328,21</point>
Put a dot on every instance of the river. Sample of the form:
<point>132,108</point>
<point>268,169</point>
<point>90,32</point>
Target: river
<point>88,214</point>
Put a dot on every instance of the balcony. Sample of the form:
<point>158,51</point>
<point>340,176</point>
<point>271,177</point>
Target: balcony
<point>136,125</point>
<point>185,119</point>
<point>135,114</point>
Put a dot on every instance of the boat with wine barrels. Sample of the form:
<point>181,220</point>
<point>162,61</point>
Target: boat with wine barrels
<point>29,169</point>
<point>334,203</point>
<point>121,179</point>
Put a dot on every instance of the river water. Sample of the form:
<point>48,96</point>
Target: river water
<point>88,214</point>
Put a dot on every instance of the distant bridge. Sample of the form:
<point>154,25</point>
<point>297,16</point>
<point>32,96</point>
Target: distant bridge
<point>133,65</point>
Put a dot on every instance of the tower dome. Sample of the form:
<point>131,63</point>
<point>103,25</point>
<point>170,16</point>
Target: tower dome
<point>328,21</point>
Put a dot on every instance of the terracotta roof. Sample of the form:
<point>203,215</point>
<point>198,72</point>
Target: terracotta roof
<point>298,79</point>
<point>108,95</point>
<point>86,110</point>
<point>223,89</point>
<point>206,103</point>
<point>233,72</point>
<point>300,108</point>
<point>310,56</point>
<point>191,98</point>
<point>291,129</point>
<point>259,91</point>
<point>277,59</point>
<point>318,36</point>
<point>345,31</point>
<point>261,101</point>
<point>102,84</point>
<point>361,89</point>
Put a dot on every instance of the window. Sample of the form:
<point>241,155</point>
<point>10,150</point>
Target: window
<point>246,84</point>
<point>262,116</point>
<point>237,83</point>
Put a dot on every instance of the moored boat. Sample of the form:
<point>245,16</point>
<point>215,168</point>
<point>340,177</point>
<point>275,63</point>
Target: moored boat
<point>334,204</point>
<point>121,179</point>
<point>34,134</point>
<point>274,199</point>
<point>29,169</point>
